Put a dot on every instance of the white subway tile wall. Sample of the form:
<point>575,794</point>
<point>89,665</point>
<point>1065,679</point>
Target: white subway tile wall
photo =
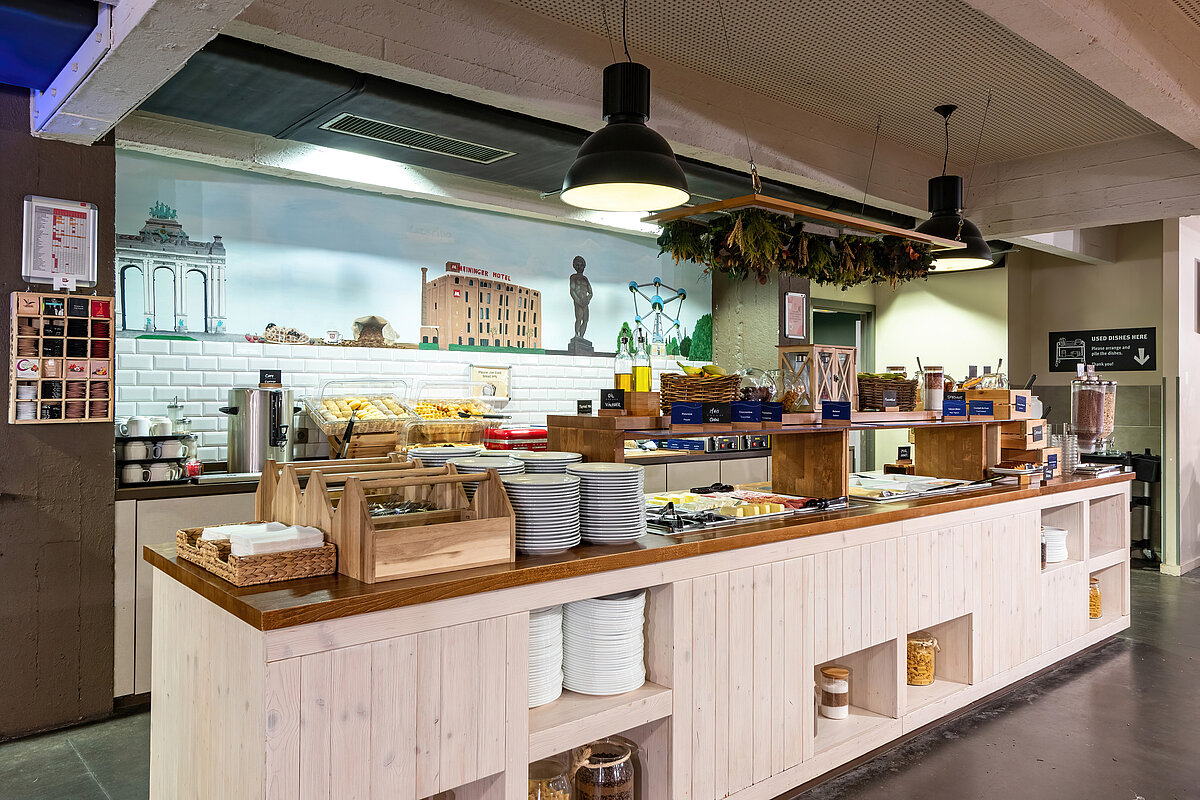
<point>150,372</point>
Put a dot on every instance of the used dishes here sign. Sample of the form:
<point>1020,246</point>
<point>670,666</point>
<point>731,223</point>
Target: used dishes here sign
<point>1111,349</point>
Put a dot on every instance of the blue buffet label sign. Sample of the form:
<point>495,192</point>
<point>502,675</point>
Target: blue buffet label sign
<point>681,444</point>
<point>1052,460</point>
<point>1022,403</point>
<point>772,412</point>
<point>954,404</point>
<point>982,408</point>
<point>835,411</point>
<point>687,413</point>
<point>746,411</point>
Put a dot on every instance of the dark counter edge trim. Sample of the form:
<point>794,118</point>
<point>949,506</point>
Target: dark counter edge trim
<point>462,583</point>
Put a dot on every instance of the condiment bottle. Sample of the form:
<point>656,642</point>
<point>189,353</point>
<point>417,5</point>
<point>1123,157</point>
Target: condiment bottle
<point>835,692</point>
<point>642,373</point>
<point>623,366</point>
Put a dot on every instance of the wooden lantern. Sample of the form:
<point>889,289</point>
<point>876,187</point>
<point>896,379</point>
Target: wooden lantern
<point>820,372</point>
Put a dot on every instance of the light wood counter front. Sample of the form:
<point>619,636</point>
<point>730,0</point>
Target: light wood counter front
<point>329,688</point>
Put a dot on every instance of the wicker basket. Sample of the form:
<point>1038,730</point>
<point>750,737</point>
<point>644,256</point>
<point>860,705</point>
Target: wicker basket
<point>674,387</point>
<point>214,556</point>
<point>870,393</point>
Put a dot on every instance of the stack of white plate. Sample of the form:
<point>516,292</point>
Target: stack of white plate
<point>546,461</point>
<point>502,464</point>
<point>545,655</point>
<point>547,511</point>
<point>437,456</point>
<point>1056,544</point>
<point>603,645</point>
<point>612,508</point>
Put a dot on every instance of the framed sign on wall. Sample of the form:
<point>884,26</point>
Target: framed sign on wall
<point>59,245</point>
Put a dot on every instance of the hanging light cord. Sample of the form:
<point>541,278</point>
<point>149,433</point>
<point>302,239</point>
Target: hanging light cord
<point>755,181</point>
<point>607,30</point>
<point>946,153</point>
<point>979,141</point>
<point>625,28</point>
<point>871,165</point>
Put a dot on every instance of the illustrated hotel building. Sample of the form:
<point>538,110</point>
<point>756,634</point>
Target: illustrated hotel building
<point>472,306</point>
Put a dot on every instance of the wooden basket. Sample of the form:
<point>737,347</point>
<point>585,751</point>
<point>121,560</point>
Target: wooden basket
<point>674,387</point>
<point>214,556</point>
<point>870,393</point>
<point>462,533</point>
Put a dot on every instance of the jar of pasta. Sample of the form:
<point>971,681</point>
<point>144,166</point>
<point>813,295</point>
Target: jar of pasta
<point>921,648</point>
<point>548,779</point>
<point>835,692</point>
<point>1095,609</point>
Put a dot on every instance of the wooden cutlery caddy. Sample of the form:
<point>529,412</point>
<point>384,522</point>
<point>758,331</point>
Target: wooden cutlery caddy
<point>459,534</point>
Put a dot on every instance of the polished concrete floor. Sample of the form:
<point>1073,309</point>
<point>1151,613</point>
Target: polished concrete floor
<point>1119,723</point>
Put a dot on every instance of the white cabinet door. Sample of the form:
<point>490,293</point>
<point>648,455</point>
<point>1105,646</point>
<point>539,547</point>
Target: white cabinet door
<point>125,559</point>
<point>157,522</point>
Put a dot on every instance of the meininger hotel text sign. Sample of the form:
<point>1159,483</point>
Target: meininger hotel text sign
<point>1112,349</point>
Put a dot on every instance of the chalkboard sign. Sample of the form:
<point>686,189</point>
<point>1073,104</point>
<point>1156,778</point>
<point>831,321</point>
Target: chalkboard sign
<point>612,399</point>
<point>270,377</point>
<point>954,404</point>
<point>687,413</point>
<point>746,411</point>
<point>1039,433</point>
<point>835,412</point>
<point>890,398</point>
<point>904,452</point>
<point>716,413</point>
<point>583,407</point>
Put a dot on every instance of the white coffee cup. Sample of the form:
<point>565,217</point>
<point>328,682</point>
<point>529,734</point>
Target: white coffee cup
<point>160,426</point>
<point>135,426</point>
<point>134,473</point>
<point>172,448</point>
<point>135,451</point>
<point>164,472</point>
<point>118,422</point>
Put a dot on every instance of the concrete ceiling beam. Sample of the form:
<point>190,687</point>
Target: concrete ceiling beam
<point>1133,180</point>
<point>1089,245</point>
<point>148,42</point>
<point>1145,53</point>
<point>505,56</point>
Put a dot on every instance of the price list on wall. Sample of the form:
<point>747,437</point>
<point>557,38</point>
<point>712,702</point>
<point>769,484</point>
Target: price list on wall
<point>59,242</point>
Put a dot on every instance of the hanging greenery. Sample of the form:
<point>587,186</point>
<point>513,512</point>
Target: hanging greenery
<point>756,242</point>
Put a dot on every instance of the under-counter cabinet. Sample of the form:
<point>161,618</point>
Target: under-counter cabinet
<point>326,688</point>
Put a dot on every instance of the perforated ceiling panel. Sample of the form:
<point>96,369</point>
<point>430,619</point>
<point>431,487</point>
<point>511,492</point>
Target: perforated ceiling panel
<point>1190,8</point>
<point>858,62</point>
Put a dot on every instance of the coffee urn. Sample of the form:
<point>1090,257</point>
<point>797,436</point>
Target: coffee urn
<point>260,421</point>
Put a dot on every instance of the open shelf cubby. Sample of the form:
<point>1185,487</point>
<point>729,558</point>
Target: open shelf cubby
<point>1108,526</point>
<point>575,719</point>
<point>1070,517</point>
<point>1114,596</point>
<point>873,697</point>
<point>951,666</point>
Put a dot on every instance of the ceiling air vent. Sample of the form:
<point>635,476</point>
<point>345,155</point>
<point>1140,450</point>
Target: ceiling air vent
<point>366,128</point>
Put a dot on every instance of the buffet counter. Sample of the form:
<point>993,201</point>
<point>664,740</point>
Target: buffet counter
<point>411,687</point>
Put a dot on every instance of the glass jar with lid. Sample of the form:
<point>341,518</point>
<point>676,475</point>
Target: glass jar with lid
<point>548,779</point>
<point>1095,608</point>
<point>834,686</point>
<point>604,770</point>
<point>922,646</point>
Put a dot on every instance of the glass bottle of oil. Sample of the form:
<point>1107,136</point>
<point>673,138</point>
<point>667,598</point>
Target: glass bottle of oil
<point>642,375</point>
<point>623,365</point>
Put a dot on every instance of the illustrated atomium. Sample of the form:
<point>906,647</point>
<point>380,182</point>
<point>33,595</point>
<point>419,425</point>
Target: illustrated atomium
<point>659,321</point>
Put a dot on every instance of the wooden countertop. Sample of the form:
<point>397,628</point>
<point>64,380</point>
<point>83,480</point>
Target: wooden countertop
<point>298,602</point>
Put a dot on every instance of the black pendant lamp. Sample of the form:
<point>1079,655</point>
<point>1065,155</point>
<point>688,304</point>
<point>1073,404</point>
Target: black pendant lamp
<point>947,221</point>
<point>625,166</point>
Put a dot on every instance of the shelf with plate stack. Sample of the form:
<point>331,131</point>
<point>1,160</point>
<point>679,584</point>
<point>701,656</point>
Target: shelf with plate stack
<point>603,688</point>
<point>61,365</point>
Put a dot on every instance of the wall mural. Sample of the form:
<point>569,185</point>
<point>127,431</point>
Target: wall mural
<point>225,253</point>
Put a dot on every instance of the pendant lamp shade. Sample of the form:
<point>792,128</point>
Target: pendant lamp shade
<point>625,166</point>
<point>946,220</point>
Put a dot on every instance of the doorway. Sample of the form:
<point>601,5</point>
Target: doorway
<point>835,322</point>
